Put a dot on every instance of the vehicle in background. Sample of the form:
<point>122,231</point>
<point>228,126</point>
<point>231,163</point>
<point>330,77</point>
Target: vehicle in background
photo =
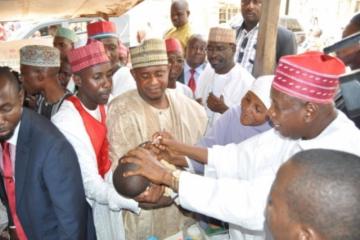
<point>40,33</point>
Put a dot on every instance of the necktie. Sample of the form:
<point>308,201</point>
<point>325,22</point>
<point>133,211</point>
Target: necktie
<point>192,83</point>
<point>10,190</point>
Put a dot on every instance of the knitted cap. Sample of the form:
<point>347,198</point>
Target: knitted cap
<point>150,53</point>
<point>40,56</point>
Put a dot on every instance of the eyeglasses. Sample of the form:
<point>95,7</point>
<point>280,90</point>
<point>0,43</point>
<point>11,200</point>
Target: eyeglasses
<point>242,49</point>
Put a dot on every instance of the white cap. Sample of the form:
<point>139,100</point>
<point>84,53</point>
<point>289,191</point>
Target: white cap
<point>261,87</point>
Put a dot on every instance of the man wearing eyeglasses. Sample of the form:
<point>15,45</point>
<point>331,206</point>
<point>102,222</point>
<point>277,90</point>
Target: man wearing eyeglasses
<point>226,82</point>
<point>247,33</point>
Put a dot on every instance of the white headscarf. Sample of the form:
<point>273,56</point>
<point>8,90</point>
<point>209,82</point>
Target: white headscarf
<point>261,87</point>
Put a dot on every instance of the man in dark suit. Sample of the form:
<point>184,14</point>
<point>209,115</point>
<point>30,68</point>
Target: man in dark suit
<point>43,192</point>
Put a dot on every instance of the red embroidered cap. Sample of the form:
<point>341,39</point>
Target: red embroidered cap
<point>173,45</point>
<point>87,56</point>
<point>311,76</point>
<point>102,29</point>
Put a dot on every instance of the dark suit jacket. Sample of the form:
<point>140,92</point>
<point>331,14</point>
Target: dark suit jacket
<point>50,198</point>
<point>285,43</point>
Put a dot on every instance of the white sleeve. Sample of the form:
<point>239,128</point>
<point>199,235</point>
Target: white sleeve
<point>96,188</point>
<point>240,202</point>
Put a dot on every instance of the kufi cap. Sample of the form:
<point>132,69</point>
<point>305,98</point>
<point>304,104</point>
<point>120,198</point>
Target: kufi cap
<point>222,34</point>
<point>262,88</point>
<point>87,56</point>
<point>104,29</point>
<point>66,33</point>
<point>40,56</point>
<point>150,53</point>
<point>173,45</point>
<point>311,76</point>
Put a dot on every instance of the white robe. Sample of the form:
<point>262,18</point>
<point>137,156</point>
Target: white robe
<point>184,89</point>
<point>246,171</point>
<point>106,203</point>
<point>122,81</point>
<point>232,86</point>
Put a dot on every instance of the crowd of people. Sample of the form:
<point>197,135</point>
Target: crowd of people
<point>267,157</point>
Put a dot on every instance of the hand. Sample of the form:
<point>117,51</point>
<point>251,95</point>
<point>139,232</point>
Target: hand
<point>13,234</point>
<point>152,194</point>
<point>216,104</point>
<point>163,202</point>
<point>148,166</point>
<point>166,143</point>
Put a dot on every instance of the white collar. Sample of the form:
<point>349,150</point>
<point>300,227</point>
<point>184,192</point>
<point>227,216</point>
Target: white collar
<point>14,137</point>
<point>187,68</point>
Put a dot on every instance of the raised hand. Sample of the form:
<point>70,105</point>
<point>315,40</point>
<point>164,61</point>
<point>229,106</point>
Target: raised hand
<point>216,104</point>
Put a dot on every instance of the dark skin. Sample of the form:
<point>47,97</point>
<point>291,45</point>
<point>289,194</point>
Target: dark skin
<point>251,13</point>
<point>64,45</point>
<point>176,62</point>
<point>292,117</point>
<point>216,104</point>
<point>11,100</point>
<point>42,80</point>
<point>179,13</point>
<point>65,73</point>
<point>151,84</point>
<point>221,58</point>
<point>195,52</point>
<point>350,55</point>
<point>278,218</point>
<point>111,45</point>
<point>94,84</point>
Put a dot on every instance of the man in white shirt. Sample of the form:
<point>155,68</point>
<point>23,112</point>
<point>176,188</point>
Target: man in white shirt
<point>82,119</point>
<point>225,83</point>
<point>105,31</point>
<point>195,60</point>
<point>304,117</point>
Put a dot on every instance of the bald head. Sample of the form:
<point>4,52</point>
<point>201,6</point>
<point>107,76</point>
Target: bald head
<point>179,13</point>
<point>324,192</point>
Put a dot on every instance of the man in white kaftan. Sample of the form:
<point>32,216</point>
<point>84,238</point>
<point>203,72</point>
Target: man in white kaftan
<point>304,117</point>
<point>225,83</point>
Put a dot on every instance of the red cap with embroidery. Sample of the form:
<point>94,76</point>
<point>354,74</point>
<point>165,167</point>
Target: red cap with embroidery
<point>311,76</point>
<point>103,29</point>
<point>87,56</point>
<point>173,45</point>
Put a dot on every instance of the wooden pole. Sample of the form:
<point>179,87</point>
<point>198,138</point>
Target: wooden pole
<point>266,43</point>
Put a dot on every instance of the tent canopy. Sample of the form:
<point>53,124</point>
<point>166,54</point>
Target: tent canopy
<point>11,10</point>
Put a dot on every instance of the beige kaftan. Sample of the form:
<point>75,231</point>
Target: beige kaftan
<point>132,121</point>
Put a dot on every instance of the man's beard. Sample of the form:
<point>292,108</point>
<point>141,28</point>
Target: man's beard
<point>7,136</point>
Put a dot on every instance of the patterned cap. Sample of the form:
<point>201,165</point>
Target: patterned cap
<point>150,53</point>
<point>104,29</point>
<point>40,56</point>
<point>173,45</point>
<point>222,34</point>
<point>311,76</point>
<point>66,33</point>
<point>87,56</point>
<point>262,88</point>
